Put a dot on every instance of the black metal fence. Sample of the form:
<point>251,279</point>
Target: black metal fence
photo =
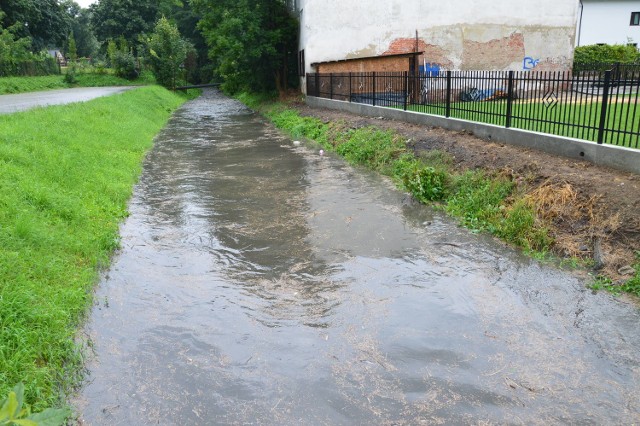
<point>599,106</point>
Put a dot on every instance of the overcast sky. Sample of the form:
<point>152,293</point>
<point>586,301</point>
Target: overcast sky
<point>85,3</point>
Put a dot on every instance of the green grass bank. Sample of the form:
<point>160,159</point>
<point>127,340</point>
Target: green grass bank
<point>9,85</point>
<point>483,201</point>
<point>66,175</point>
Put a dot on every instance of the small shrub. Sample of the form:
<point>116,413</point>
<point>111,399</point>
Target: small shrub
<point>425,183</point>
<point>71,76</point>
<point>124,64</point>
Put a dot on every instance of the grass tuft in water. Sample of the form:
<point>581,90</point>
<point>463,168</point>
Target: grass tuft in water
<point>66,174</point>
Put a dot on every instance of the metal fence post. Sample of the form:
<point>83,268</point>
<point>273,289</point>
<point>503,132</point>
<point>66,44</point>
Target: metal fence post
<point>507,123</point>
<point>603,110</point>
<point>405,82</point>
<point>447,112</point>
<point>350,94</point>
<point>374,88</point>
<point>330,85</point>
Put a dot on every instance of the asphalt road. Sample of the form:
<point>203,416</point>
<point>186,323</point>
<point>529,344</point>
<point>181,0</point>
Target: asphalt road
<point>24,101</point>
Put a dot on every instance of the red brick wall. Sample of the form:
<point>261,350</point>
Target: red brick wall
<point>379,64</point>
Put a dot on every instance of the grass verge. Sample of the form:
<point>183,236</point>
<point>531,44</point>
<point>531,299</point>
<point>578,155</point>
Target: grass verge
<point>527,215</point>
<point>66,174</point>
<point>48,82</point>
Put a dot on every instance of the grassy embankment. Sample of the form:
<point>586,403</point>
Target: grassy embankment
<point>32,84</point>
<point>480,200</point>
<point>66,174</point>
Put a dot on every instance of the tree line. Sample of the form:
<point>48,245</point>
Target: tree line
<point>245,44</point>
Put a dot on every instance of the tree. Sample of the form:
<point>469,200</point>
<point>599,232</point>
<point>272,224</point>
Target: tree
<point>167,52</point>
<point>198,67</point>
<point>252,42</point>
<point>44,21</point>
<point>13,49</point>
<point>128,18</point>
<point>73,51</point>
<point>122,59</point>
<point>86,42</point>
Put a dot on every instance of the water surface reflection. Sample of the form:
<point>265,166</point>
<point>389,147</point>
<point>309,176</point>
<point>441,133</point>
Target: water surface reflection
<point>261,283</point>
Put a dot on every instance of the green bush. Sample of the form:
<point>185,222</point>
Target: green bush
<point>606,54</point>
<point>426,184</point>
<point>124,65</point>
<point>71,76</point>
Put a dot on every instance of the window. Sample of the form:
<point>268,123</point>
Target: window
<point>301,63</point>
<point>635,18</point>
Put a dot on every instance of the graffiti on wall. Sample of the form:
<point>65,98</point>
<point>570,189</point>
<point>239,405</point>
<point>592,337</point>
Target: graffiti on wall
<point>528,63</point>
<point>429,69</point>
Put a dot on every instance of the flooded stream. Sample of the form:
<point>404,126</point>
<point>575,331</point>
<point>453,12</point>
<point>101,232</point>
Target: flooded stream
<point>262,283</point>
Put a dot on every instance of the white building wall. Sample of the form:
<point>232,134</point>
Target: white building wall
<point>608,22</point>
<point>455,34</point>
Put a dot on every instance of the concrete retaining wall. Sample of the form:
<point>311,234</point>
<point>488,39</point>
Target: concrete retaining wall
<point>625,159</point>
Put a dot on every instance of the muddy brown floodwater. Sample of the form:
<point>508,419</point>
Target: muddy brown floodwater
<point>262,283</point>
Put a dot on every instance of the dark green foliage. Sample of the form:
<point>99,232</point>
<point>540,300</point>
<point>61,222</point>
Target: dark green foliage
<point>253,43</point>
<point>45,22</point>
<point>112,19</point>
<point>122,60</point>
<point>606,54</point>
<point>124,65</point>
<point>198,66</point>
<point>167,53</point>
<point>16,58</point>
<point>86,42</point>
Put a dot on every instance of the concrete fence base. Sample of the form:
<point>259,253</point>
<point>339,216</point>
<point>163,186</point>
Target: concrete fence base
<point>620,158</point>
